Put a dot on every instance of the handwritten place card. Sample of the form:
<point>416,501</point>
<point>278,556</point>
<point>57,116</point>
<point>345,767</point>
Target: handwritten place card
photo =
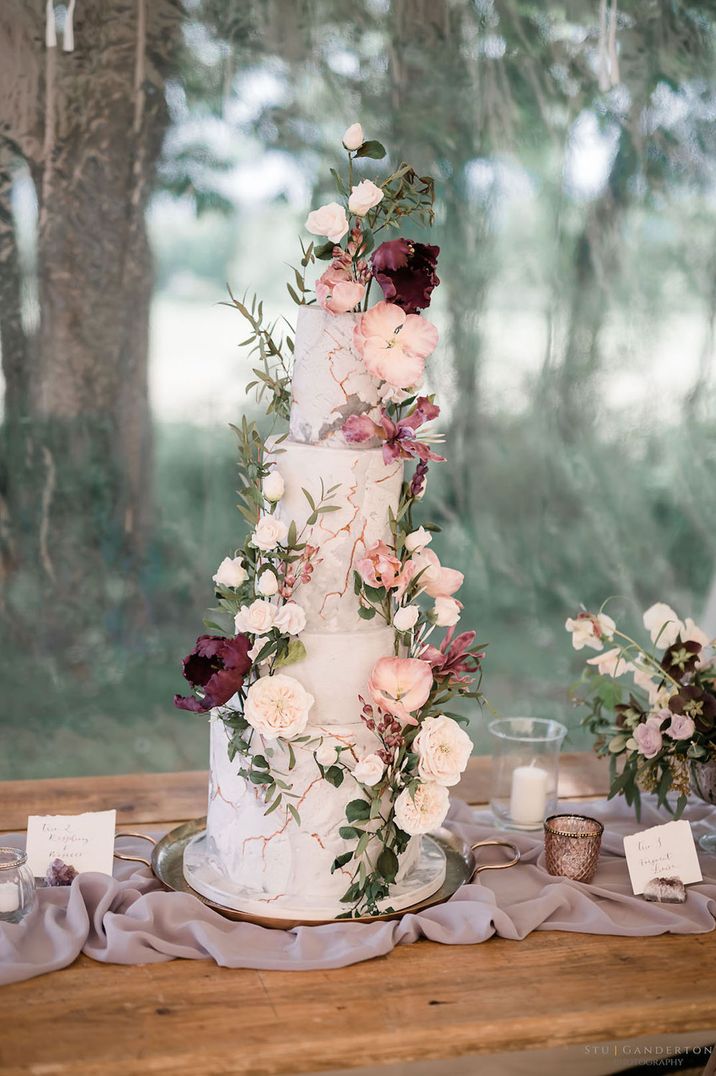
<point>86,841</point>
<point>666,851</point>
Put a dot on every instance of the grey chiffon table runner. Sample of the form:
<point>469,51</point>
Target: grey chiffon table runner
<point>131,919</point>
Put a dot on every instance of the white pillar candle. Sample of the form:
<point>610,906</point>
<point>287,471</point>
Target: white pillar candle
<point>529,795</point>
<point>9,897</point>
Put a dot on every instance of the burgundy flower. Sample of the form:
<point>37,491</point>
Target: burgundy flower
<point>456,661</point>
<point>419,479</point>
<point>406,272</point>
<point>697,704</point>
<point>681,658</point>
<point>400,440</point>
<point>217,667</point>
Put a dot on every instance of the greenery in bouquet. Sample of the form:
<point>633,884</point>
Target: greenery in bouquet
<point>651,708</point>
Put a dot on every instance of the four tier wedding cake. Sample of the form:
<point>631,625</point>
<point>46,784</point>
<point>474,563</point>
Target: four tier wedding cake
<point>331,749</point>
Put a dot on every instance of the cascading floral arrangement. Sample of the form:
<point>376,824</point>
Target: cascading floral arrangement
<point>662,725</point>
<point>422,748</point>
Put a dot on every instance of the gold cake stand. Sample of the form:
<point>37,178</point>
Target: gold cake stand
<point>167,863</point>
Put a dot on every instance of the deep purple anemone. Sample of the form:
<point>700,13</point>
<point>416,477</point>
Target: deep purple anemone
<point>405,271</point>
<point>216,667</point>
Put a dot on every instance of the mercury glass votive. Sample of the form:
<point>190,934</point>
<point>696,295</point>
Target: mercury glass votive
<point>525,770</point>
<point>17,885</point>
<point>571,846</point>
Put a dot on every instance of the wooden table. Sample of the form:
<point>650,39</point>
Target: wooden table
<point>421,1001</point>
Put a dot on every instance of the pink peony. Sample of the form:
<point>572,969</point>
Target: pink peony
<point>648,737</point>
<point>337,292</point>
<point>394,345</point>
<point>400,686</point>
<point>379,567</point>
<point>435,580</point>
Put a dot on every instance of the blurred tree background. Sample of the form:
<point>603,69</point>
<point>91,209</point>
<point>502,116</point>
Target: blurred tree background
<point>177,147</point>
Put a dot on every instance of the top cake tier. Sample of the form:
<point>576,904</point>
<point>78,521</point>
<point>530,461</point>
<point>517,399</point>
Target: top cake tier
<point>330,381</point>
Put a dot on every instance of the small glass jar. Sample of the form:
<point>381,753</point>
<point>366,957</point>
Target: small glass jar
<point>17,885</point>
<point>525,770</point>
<point>571,846</point>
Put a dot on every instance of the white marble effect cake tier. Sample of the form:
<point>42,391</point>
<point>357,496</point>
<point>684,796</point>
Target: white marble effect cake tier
<point>330,381</point>
<point>368,489</point>
<point>271,854</point>
<point>336,669</point>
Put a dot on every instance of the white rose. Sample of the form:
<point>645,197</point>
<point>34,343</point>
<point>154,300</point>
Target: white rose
<point>273,486</point>
<point>325,754</point>
<point>363,197</point>
<point>267,584</point>
<point>418,539</point>
<point>290,619</point>
<point>406,617</point>
<point>231,572</point>
<point>424,812</point>
<point>353,137</point>
<point>446,612</point>
<point>443,750</point>
<point>369,770</point>
<point>257,618</point>
<point>278,706</point>
<point>269,533</point>
<point>329,220</point>
<point>663,624</point>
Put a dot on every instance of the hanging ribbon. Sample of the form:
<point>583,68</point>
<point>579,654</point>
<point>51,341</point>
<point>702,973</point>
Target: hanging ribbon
<point>68,34</point>
<point>50,27</point>
<point>68,30</point>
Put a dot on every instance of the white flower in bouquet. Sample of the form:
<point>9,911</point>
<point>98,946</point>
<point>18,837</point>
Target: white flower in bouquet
<point>329,220</point>
<point>326,754</point>
<point>590,630</point>
<point>418,539</point>
<point>278,706</point>
<point>364,196</point>
<point>424,811</point>
<point>663,624</point>
<point>273,486</point>
<point>290,619</point>
<point>681,726</point>
<point>231,572</point>
<point>443,750</point>
<point>267,584</point>
<point>257,618</point>
<point>369,770</point>
<point>269,533</point>
<point>611,663</point>
<point>257,648</point>
<point>692,633</point>
<point>406,617</point>
<point>446,612</point>
<point>353,137</point>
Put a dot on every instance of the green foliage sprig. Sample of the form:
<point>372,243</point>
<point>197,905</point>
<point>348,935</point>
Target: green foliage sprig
<point>274,350</point>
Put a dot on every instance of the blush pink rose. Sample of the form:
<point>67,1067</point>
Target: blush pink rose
<point>394,345</point>
<point>648,737</point>
<point>337,292</point>
<point>400,686</point>
<point>437,581</point>
<point>379,567</point>
<point>681,727</point>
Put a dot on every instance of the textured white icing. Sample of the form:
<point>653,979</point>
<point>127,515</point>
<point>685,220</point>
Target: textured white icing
<point>336,669</point>
<point>368,488</point>
<point>271,854</point>
<point>330,381</point>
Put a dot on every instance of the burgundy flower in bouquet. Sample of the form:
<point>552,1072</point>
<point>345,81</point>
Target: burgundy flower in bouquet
<point>216,667</point>
<point>456,661</point>
<point>400,440</point>
<point>406,272</point>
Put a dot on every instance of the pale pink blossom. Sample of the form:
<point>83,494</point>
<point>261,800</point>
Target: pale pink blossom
<point>394,345</point>
<point>364,196</point>
<point>681,727</point>
<point>589,629</point>
<point>400,686</point>
<point>648,737</point>
<point>329,220</point>
<point>663,624</point>
<point>278,706</point>
<point>611,663</point>
<point>379,566</point>
<point>446,612</point>
<point>337,292</point>
<point>435,580</point>
<point>424,809</point>
<point>692,633</point>
<point>353,137</point>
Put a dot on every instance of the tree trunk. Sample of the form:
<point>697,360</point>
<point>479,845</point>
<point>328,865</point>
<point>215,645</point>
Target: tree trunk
<point>77,438</point>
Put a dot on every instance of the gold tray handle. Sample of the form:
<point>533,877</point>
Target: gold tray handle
<point>495,866</point>
<point>135,859</point>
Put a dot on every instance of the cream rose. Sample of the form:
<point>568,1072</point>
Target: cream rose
<point>369,770</point>
<point>406,618</point>
<point>424,811</point>
<point>231,572</point>
<point>257,618</point>
<point>290,619</point>
<point>363,197</point>
<point>418,540</point>
<point>446,612</point>
<point>273,486</point>
<point>353,137</point>
<point>325,754</point>
<point>267,584</point>
<point>269,533</point>
<point>329,220</point>
<point>443,750</point>
<point>278,706</point>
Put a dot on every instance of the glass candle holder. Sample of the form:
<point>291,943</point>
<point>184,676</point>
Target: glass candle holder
<point>571,846</point>
<point>17,885</point>
<point>525,770</point>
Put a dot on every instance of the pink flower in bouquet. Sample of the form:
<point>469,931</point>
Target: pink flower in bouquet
<point>400,440</point>
<point>611,663</point>
<point>400,686</point>
<point>406,272</point>
<point>379,567</point>
<point>590,630</point>
<point>337,292</point>
<point>394,345</point>
<point>435,580</point>
<point>649,740</point>
<point>217,667</point>
<point>419,481</point>
<point>329,220</point>
<point>681,726</point>
<point>457,661</point>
